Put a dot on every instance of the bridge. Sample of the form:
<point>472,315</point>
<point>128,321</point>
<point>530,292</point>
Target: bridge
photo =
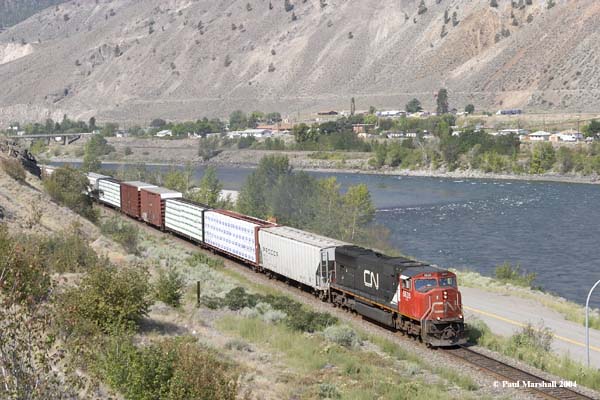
<point>65,138</point>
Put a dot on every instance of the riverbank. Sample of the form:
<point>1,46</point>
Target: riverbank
<point>301,161</point>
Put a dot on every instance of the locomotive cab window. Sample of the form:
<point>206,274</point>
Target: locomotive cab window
<point>425,285</point>
<point>450,281</point>
<point>406,284</point>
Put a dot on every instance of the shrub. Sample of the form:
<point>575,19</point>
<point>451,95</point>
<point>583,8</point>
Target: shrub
<point>328,391</point>
<point>68,252</point>
<point>68,187</point>
<point>173,369</point>
<point>128,151</point>
<point>509,274</point>
<point>107,297</point>
<point>127,235</point>
<point>169,287</point>
<point>237,344</point>
<point>342,335</point>
<point>24,278</point>
<point>297,317</point>
<point>201,258</point>
<point>14,169</point>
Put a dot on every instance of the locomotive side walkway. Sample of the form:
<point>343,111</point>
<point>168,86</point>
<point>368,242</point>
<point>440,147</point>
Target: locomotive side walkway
<point>506,314</point>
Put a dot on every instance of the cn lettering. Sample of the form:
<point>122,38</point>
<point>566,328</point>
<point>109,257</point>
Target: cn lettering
<point>371,279</point>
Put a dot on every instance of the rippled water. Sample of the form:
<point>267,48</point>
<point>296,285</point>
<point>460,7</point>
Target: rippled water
<point>546,227</point>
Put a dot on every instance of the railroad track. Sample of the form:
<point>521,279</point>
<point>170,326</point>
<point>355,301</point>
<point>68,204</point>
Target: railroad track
<point>479,361</point>
<point>513,375</point>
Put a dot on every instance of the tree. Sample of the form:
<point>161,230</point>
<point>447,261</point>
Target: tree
<point>304,133</point>
<point>442,102</point>
<point>94,149</point>
<point>372,110</point>
<point>178,180</point>
<point>413,106</point>
<point>209,189</point>
<point>273,117</point>
<point>469,108</point>
<point>255,196</point>
<point>158,123</point>
<point>352,106</point>
<point>68,186</point>
<point>238,120</point>
<point>92,124</point>
<point>422,8</point>
<point>592,129</point>
<point>542,158</point>
<point>359,208</point>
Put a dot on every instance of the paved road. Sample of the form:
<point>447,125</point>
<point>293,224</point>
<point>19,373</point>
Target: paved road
<point>506,314</point>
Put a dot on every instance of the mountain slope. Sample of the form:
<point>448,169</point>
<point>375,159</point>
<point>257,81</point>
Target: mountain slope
<point>15,11</point>
<point>134,60</point>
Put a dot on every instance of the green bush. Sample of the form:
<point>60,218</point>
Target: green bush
<point>328,391</point>
<point>201,258</point>
<point>68,252</point>
<point>128,151</point>
<point>14,169</point>
<point>174,369</point>
<point>509,274</point>
<point>107,297</point>
<point>126,234</point>
<point>169,287</point>
<point>298,317</point>
<point>342,335</point>
<point>23,277</point>
<point>68,187</point>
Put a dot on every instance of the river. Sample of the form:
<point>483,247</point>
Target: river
<point>548,228</point>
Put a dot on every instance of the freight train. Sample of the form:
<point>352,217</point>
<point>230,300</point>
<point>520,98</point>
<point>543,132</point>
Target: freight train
<point>414,298</point>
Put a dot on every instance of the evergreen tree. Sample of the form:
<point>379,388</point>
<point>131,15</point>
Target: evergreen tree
<point>442,102</point>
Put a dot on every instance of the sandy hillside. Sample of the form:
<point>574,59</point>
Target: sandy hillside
<point>132,61</point>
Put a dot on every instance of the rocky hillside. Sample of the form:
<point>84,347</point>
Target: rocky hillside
<point>128,60</point>
<point>15,11</point>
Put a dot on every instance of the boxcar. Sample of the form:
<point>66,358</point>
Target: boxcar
<point>299,255</point>
<point>130,197</point>
<point>152,204</point>
<point>109,192</point>
<point>185,218</point>
<point>233,233</point>
<point>93,180</point>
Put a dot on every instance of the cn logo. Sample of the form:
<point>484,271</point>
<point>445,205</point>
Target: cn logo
<point>371,279</point>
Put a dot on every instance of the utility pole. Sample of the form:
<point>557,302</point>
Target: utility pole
<point>587,322</point>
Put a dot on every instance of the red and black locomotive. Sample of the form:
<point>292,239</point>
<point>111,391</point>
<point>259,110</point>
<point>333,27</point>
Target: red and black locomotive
<point>404,294</point>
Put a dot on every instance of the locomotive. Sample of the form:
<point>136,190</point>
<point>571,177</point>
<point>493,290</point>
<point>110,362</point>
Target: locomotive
<point>414,298</point>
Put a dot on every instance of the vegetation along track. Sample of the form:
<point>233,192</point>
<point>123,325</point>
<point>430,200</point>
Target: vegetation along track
<point>548,389</point>
<point>489,366</point>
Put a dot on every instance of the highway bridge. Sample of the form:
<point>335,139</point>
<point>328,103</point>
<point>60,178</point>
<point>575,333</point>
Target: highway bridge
<point>65,138</point>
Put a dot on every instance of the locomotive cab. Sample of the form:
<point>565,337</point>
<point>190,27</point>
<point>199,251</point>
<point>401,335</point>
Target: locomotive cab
<point>433,298</point>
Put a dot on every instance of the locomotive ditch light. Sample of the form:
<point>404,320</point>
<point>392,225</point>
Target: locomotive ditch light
<point>460,316</point>
<point>438,318</point>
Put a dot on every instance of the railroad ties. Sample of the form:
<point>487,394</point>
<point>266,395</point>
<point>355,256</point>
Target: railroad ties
<point>512,374</point>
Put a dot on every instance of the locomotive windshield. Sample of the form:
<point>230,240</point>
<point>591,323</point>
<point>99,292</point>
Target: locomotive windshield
<point>425,285</point>
<point>450,281</point>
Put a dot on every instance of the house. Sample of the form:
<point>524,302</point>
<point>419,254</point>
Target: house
<point>395,135</point>
<point>164,133</point>
<point>278,127</point>
<point>327,112</point>
<point>362,128</point>
<point>256,133</point>
<point>571,136</point>
<point>512,131</point>
<point>539,136</point>
<point>514,111</point>
<point>390,114</point>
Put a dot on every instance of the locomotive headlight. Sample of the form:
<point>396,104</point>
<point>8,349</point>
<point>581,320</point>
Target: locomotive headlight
<point>460,316</point>
<point>445,294</point>
<point>438,318</point>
